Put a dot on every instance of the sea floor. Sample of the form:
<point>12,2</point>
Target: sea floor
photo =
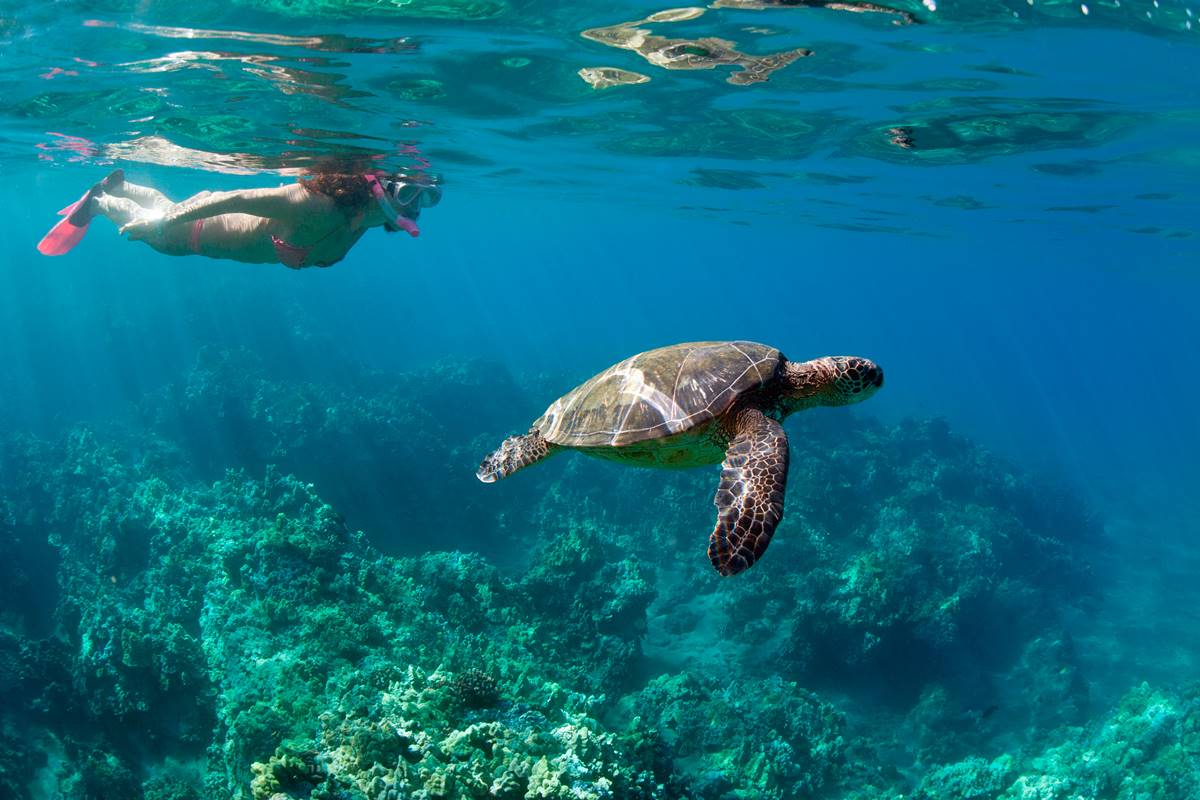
<point>930,622</point>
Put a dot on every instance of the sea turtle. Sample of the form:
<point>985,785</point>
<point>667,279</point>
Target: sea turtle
<point>698,403</point>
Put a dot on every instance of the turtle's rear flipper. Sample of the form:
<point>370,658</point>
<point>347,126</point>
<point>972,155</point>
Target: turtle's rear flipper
<point>516,452</point>
<point>749,499</point>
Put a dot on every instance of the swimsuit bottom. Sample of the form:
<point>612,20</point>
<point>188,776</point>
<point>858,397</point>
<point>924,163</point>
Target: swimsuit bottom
<point>194,237</point>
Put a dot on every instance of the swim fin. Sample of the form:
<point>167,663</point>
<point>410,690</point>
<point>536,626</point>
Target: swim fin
<point>66,234</point>
<point>76,217</point>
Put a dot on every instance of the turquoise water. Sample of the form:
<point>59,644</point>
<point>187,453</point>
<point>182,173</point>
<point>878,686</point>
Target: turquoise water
<point>243,553</point>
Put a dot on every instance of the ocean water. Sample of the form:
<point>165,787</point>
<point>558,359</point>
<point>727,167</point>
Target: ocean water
<point>243,552</point>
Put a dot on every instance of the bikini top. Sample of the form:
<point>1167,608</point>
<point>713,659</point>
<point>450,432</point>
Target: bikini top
<point>296,257</point>
<point>293,256</point>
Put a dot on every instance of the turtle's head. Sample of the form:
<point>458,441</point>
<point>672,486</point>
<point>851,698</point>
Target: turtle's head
<point>830,381</point>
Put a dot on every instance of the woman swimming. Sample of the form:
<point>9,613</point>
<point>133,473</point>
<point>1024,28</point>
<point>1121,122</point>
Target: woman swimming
<point>313,222</point>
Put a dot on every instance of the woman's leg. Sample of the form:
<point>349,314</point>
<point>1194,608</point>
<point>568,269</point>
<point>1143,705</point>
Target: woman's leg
<point>144,196</point>
<point>170,239</point>
<point>121,210</point>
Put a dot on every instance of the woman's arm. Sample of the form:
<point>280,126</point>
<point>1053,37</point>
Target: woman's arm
<point>279,203</point>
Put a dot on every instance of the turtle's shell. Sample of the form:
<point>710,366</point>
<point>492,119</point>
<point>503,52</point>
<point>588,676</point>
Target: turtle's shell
<point>658,393</point>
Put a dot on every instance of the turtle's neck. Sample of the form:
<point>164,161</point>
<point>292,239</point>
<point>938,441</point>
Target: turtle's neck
<point>804,384</point>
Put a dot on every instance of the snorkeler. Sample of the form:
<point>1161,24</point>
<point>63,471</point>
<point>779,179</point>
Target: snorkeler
<point>313,222</point>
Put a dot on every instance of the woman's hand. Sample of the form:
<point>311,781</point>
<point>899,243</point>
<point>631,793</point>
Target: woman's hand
<point>141,228</point>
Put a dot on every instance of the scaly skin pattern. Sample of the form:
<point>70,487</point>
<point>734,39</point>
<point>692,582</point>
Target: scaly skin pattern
<point>513,453</point>
<point>749,498</point>
<point>829,381</point>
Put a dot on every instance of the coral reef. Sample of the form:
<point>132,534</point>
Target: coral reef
<point>475,689</point>
<point>973,778</point>
<point>203,633</point>
<point>764,739</point>
<point>906,550</point>
<point>356,437</point>
<point>1148,747</point>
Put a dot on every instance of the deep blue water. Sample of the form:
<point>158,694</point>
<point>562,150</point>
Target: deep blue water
<point>1063,338</point>
<point>1029,270</point>
<point>1040,294</point>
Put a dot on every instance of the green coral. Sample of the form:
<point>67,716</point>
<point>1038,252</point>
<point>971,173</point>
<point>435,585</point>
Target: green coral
<point>18,761</point>
<point>759,738</point>
<point>971,779</point>
<point>1147,749</point>
<point>165,787</point>
<point>243,627</point>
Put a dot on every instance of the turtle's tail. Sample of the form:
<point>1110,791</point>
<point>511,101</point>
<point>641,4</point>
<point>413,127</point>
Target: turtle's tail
<point>513,454</point>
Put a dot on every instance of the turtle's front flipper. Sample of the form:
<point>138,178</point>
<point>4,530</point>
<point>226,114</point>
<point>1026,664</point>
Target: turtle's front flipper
<point>750,498</point>
<point>515,452</point>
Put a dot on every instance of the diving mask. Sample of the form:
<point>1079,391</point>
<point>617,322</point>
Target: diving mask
<point>413,195</point>
<point>401,201</point>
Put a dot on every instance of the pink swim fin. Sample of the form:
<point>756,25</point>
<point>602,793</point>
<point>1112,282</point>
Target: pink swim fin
<point>65,235</point>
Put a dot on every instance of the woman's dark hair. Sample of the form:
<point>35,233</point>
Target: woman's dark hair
<point>349,192</point>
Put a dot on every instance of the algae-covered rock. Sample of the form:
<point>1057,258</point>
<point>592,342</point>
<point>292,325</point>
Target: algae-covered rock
<point>760,739</point>
<point>1148,748</point>
<point>690,54</point>
<point>590,601</point>
<point>166,787</point>
<point>18,762</point>
<point>923,550</point>
<point>971,779</point>
<point>607,77</point>
<point>462,10</point>
<point>355,439</point>
<point>898,15</point>
<point>1144,15</point>
<point>963,130</point>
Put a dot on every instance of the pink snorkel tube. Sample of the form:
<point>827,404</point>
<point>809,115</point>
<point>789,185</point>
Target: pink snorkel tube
<point>398,220</point>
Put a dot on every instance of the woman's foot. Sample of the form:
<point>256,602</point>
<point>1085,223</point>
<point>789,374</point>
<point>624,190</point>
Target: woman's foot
<point>86,209</point>
<point>114,180</point>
